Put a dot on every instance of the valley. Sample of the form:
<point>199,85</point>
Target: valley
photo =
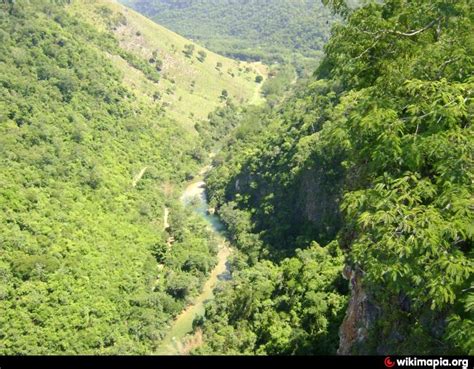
<point>177,340</point>
<point>98,110</point>
<point>236,177</point>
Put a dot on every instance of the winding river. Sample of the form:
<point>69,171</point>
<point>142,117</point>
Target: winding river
<point>173,343</point>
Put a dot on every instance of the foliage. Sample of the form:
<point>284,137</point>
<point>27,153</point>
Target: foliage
<point>189,50</point>
<point>375,152</point>
<point>161,51</point>
<point>369,164</point>
<point>202,55</point>
<point>273,30</point>
<point>292,308</point>
<point>84,263</point>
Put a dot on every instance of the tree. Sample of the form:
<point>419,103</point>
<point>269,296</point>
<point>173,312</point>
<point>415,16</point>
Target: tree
<point>156,96</point>
<point>374,152</point>
<point>189,50</point>
<point>159,65</point>
<point>72,135</point>
<point>202,55</point>
<point>224,95</point>
<point>291,308</point>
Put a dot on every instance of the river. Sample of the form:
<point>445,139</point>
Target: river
<point>182,326</point>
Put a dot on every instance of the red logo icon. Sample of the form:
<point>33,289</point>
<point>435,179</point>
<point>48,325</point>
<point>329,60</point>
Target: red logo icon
<point>388,362</point>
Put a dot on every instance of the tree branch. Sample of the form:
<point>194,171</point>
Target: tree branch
<point>377,39</point>
<point>444,65</point>
<point>399,33</point>
<point>414,33</point>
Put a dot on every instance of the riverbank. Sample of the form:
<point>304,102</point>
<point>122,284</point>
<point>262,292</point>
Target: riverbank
<point>181,328</point>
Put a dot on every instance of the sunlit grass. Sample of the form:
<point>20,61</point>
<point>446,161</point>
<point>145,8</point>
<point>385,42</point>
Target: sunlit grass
<point>189,89</point>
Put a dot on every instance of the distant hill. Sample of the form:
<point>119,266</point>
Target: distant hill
<point>191,85</point>
<point>248,30</point>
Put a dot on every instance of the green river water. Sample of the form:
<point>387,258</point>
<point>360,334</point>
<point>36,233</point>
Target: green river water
<point>173,343</point>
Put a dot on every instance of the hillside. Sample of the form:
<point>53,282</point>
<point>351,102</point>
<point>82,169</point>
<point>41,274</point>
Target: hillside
<point>158,198</point>
<point>271,30</point>
<point>362,180</point>
<point>92,150</point>
<point>188,88</point>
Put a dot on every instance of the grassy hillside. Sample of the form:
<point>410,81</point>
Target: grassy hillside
<point>188,88</point>
<point>271,30</point>
<point>86,265</point>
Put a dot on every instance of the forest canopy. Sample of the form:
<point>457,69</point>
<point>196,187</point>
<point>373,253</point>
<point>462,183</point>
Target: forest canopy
<point>85,267</point>
<point>372,156</point>
<point>272,30</point>
<point>347,196</point>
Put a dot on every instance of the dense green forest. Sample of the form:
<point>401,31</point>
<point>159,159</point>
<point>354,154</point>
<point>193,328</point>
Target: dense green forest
<point>86,266</point>
<point>367,173</point>
<point>346,196</point>
<point>271,30</point>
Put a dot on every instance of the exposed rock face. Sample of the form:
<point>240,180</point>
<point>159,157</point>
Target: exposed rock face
<point>317,203</point>
<point>361,334</point>
<point>360,316</point>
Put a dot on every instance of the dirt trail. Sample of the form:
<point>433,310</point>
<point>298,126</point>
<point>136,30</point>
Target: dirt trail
<point>173,343</point>
<point>177,341</point>
<point>139,176</point>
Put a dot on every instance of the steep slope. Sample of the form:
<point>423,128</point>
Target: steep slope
<point>270,30</point>
<point>89,161</point>
<point>373,157</point>
<point>190,85</point>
